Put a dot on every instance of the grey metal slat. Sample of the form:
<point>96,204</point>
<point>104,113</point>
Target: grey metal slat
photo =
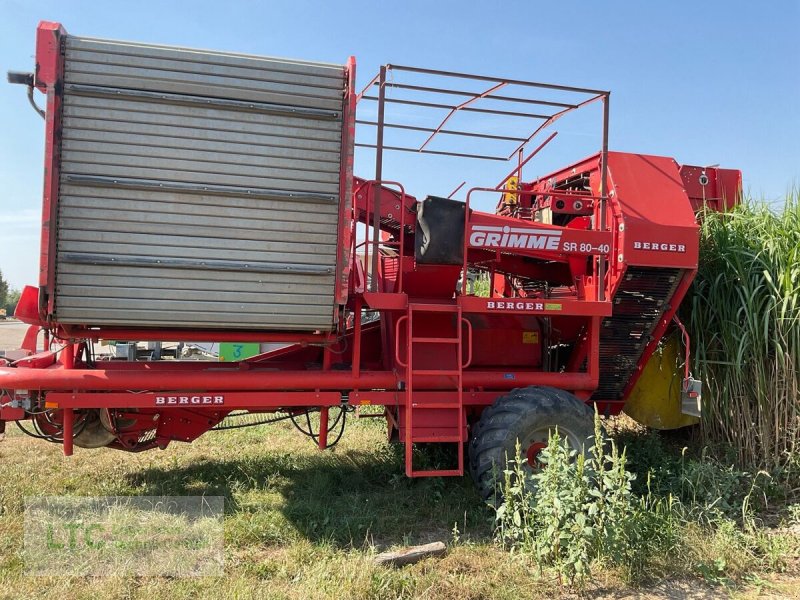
<point>197,155</point>
<point>187,247</point>
<point>296,234</point>
<point>229,296</point>
<point>138,49</point>
<point>199,177</point>
<point>223,320</point>
<point>139,81</point>
<point>317,287</point>
<point>231,203</point>
<point>200,131</point>
<point>299,209</point>
<point>150,276</point>
<point>260,74</point>
<point>93,105</point>
<point>303,129</point>
<point>89,136</point>
<point>211,168</point>
<point>317,217</point>
<point>185,238</point>
<point>180,304</point>
<point>72,217</point>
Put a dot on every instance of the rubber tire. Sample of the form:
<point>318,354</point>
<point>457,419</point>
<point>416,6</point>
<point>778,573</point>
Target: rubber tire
<point>514,417</point>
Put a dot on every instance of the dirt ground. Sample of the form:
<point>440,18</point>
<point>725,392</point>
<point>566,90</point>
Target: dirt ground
<point>11,334</point>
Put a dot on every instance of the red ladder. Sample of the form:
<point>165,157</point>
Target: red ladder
<point>455,375</point>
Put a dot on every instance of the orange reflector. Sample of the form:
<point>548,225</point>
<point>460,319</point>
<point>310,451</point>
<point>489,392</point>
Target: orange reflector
<point>51,404</point>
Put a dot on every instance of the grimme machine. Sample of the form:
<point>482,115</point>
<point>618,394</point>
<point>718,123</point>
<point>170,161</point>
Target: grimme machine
<point>196,195</point>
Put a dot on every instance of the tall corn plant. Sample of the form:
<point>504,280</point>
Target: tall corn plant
<point>744,318</point>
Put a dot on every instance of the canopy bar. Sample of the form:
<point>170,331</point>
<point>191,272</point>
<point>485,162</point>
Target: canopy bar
<point>453,106</point>
<point>487,136</point>
<point>546,86</point>
<point>421,88</point>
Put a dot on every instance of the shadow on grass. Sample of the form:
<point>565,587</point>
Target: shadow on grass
<point>348,498</point>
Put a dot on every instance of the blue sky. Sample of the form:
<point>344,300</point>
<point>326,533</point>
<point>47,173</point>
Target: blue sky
<point>703,82</point>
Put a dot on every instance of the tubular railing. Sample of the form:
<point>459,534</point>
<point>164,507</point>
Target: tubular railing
<point>598,271</point>
<point>374,242</point>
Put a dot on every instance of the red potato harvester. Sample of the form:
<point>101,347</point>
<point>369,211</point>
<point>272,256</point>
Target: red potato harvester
<point>196,195</point>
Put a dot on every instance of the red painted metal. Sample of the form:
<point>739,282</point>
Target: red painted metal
<point>224,399</point>
<point>49,79</point>
<point>558,256</point>
<point>345,184</point>
<point>27,309</point>
<point>255,379</point>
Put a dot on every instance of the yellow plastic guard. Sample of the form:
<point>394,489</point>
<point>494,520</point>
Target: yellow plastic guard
<point>511,184</point>
<point>655,400</point>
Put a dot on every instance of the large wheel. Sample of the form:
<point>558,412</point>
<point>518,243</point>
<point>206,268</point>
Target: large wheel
<point>529,415</point>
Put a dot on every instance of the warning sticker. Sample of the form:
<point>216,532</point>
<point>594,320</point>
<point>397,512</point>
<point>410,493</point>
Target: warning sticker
<point>530,337</point>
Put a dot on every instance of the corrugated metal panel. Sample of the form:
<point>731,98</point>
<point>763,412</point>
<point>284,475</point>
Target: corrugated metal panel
<point>198,189</point>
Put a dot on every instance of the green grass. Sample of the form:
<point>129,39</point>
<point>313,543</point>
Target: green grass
<point>744,320</point>
<point>300,523</point>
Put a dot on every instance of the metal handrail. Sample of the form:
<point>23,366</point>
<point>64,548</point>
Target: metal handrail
<point>375,242</point>
<point>601,285</point>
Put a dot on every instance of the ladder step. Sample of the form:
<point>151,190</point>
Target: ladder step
<point>433,340</point>
<point>435,372</point>
<point>441,439</point>
<point>434,473</point>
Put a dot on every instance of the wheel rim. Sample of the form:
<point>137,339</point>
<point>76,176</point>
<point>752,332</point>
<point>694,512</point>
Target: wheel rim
<point>538,439</point>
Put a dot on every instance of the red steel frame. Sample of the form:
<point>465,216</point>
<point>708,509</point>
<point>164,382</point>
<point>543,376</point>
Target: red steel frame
<point>387,281</point>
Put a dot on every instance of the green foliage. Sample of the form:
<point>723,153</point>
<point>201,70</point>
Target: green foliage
<point>12,297</point>
<point>573,511</point>
<point>3,290</point>
<point>744,320</point>
<point>666,513</point>
<point>482,285</point>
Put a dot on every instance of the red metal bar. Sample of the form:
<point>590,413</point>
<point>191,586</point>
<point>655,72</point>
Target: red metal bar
<point>68,356</point>
<point>518,169</point>
<point>345,186</point>
<point>555,117</point>
<point>324,414</point>
<point>49,79</point>
<point>257,379</point>
<point>397,358</point>
<point>485,136</point>
<point>460,107</point>
<point>68,429</point>
<point>455,191</point>
<point>420,88</point>
<point>357,338</point>
<point>468,362</point>
<point>376,216</point>
<point>602,285</point>
<point>537,84</point>
<point>372,82</point>
<point>225,399</point>
<point>488,111</point>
